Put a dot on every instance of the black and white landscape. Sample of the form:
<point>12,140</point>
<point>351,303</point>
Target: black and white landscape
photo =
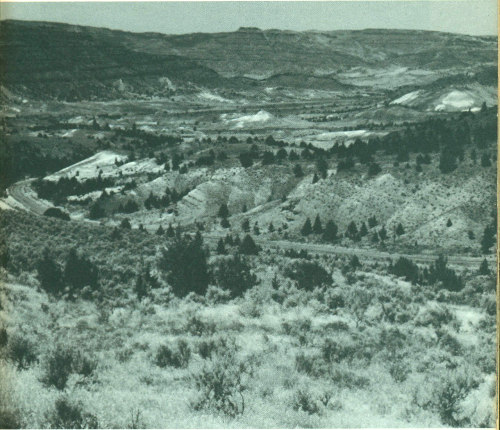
<point>258,228</point>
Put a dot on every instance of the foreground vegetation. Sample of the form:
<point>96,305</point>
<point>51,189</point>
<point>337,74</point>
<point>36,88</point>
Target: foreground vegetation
<point>249,335</point>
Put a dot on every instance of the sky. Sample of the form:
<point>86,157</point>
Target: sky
<point>476,17</point>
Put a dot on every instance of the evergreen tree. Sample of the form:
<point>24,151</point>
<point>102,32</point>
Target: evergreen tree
<point>185,263</point>
<point>449,223</point>
<point>79,272</point>
<point>245,225</point>
<point>488,239</point>
<point>306,229</point>
<point>375,237</point>
<point>125,224</point>
<point>271,228</point>
<point>374,169</point>
<point>297,171</point>
<point>363,231</point>
<point>315,178</point>
<point>483,268</point>
<point>372,222</point>
<point>141,289</point>
<point>256,229</point>
<point>221,249</point>
<point>160,231</point>
<point>322,166</point>
<point>223,211</point>
<point>485,160</point>
<point>170,231</point>
<point>382,234</point>
<point>225,223</point>
<point>248,246</point>
<point>317,227</point>
<point>447,161</point>
<point>49,274</point>
<point>352,231</point>
<point>330,232</point>
<point>233,274</point>
<point>400,229</point>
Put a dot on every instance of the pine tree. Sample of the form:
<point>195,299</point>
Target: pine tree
<point>315,178</point>
<point>160,231</point>
<point>330,232</point>
<point>306,229</point>
<point>449,223</point>
<point>225,223</point>
<point>256,229</point>
<point>317,227</point>
<point>271,228</point>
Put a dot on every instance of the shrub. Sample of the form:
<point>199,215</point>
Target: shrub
<point>70,415</point>
<point>197,327</point>
<point>178,357</point>
<point>9,418</point>
<point>57,213</point>
<point>448,393</point>
<point>21,351</point>
<point>61,362</point>
<point>303,400</point>
<point>336,352</point>
<point>310,364</point>
<point>210,347</point>
<point>405,268</point>
<point>221,384</point>
<point>439,272</point>
<point>344,378</point>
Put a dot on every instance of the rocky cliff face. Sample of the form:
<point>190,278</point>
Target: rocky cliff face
<point>71,62</point>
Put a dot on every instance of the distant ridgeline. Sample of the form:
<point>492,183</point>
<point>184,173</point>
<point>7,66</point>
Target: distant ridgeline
<point>48,60</point>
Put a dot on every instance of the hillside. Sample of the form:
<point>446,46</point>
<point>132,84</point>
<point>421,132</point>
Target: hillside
<point>73,62</point>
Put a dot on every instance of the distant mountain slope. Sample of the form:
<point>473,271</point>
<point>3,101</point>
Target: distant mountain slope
<point>40,59</point>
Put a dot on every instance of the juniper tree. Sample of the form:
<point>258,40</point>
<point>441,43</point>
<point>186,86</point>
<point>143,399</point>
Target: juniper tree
<point>248,246</point>
<point>317,227</point>
<point>330,231</point>
<point>306,229</point>
<point>352,231</point>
